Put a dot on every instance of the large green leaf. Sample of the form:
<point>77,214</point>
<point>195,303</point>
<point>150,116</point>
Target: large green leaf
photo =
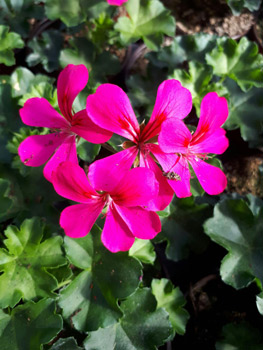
<point>239,61</point>
<point>238,5</point>
<point>24,262</point>
<point>8,42</point>
<point>245,112</point>
<point>142,327</point>
<point>183,229</point>
<point>239,230</point>
<point>147,20</point>
<point>240,337</point>
<point>29,326</point>
<point>172,300</point>
<point>90,301</point>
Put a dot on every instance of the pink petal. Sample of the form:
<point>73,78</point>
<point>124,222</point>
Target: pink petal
<point>172,101</point>
<point>35,150</point>
<point>71,81</point>
<point>116,236</point>
<point>179,166</point>
<point>174,137</point>
<point>216,143</point>
<point>111,109</point>
<point>138,187</point>
<point>67,151</point>
<point>213,114</point>
<point>83,126</point>
<point>142,223</point>
<point>77,220</point>
<point>105,174</point>
<point>70,181</point>
<point>39,112</point>
<point>165,194</point>
<point>116,2</point>
<point>211,178</point>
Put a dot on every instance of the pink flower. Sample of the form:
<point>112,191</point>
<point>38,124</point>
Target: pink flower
<point>116,2</point>
<point>124,196</point>
<point>38,149</point>
<point>182,148</point>
<point>110,109</point>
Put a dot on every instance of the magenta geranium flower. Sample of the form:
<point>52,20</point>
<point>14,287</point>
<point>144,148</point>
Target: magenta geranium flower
<point>64,128</point>
<point>125,196</point>
<point>110,108</point>
<point>182,148</point>
<point>116,2</point>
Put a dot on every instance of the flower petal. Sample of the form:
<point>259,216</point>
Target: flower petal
<point>111,109</point>
<point>138,187</point>
<point>77,220</point>
<point>70,181</point>
<point>35,150</point>
<point>116,2</point>
<point>71,81</point>
<point>39,112</point>
<point>165,193</point>
<point>142,223</point>
<point>213,114</point>
<point>116,236</point>
<point>172,101</point>
<point>211,178</point>
<point>106,173</point>
<point>67,151</point>
<point>174,137</point>
<point>83,126</point>
<point>216,143</point>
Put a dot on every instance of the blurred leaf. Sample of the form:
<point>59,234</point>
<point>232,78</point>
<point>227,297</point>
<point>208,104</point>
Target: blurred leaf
<point>240,337</point>
<point>245,112</point>
<point>90,301</point>
<point>143,250</point>
<point>239,61</point>
<point>147,20</point>
<point>9,117</point>
<point>9,203</point>
<point>259,300</point>
<point>24,261</point>
<point>29,326</point>
<point>172,300</point>
<point>66,344</point>
<point>8,42</point>
<point>87,151</point>
<point>46,50</point>
<point>237,6</point>
<point>237,229</point>
<point>143,327</point>
<point>183,229</point>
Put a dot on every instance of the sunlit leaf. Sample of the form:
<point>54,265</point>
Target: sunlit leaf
<point>143,250</point>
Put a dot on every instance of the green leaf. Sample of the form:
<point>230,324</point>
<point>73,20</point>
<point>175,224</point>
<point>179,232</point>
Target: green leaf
<point>172,300</point>
<point>143,250</point>
<point>239,61</point>
<point>46,50</point>
<point>148,20</point>
<point>24,262</point>
<point>183,229</point>
<point>259,301</point>
<point>240,337</point>
<point>237,229</point>
<point>66,344</point>
<point>237,6</point>
<point>29,326</point>
<point>9,203</point>
<point>90,301</point>
<point>142,327</point>
<point>245,112</point>
<point>8,42</point>
<point>87,151</point>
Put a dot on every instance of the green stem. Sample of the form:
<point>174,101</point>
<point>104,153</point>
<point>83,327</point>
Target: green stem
<point>62,284</point>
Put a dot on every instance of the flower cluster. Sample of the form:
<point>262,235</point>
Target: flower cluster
<point>130,186</point>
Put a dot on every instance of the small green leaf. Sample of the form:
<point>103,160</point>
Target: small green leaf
<point>8,42</point>
<point>29,326</point>
<point>240,337</point>
<point>148,20</point>
<point>23,264</point>
<point>143,250</point>
<point>66,344</point>
<point>172,300</point>
<point>237,6</point>
<point>239,61</point>
<point>90,301</point>
<point>237,229</point>
<point>143,327</point>
<point>87,151</point>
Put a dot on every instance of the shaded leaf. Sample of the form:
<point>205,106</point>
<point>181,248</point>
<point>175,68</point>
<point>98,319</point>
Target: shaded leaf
<point>87,151</point>
<point>66,344</point>
<point>9,203</point>
<point>237,6</point>
<point>8,42</point>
